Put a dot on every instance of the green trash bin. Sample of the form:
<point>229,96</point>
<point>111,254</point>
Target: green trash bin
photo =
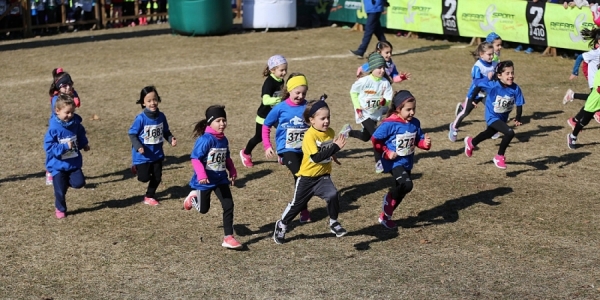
<point>200,17</point>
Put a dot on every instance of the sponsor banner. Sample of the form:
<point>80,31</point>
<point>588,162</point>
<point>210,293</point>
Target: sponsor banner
<point>506,18</point>
<point>535,23</point>
<point>449,19</point>
<point>415,15</point>
<point>563,26</point>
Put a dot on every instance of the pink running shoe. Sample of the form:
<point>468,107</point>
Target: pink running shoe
<point>499,161</point>
<point>388,205</point>
<point>597,116</point>
<point>133,170</point>
<point>231,243</point>
<point>150,201</point>
<point>189,200</point>
<point>572,123</point>
<point>246,159</point>
<point>60,214</point>
<point>386,222</point>
<point>305,216</point>
<point>568,96</point>
<point>469,146</point>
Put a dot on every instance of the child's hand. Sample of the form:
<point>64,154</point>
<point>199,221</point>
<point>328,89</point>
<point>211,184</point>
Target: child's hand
<point>86,148</point>
<point>474,104</point>
<point>269,153</point>
<point>70,144</point>
<point>340,141</point>
<point>517,123</point>
<point>565,5</point>
<point>382,101</point>
<point>203,181</point>
<point>405,76</point>
<point>232,178</point>
<point>427,140</point>
<point>336,160</point>
<point>391,155</point>
<point>490,75</point>
<point>173,142</point>
<point>573,76</point>
<point>359,113</point>
<point>141,150</point>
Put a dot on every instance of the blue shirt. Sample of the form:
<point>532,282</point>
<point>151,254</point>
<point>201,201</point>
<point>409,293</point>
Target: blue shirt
<point>290,131</point>
<point>500,100</point>
<point>374,6</point>
<point>401,138</point>
<point>58,155</point>
<point>150,133</point>
<point>212,153</point>
<point>479,73</point>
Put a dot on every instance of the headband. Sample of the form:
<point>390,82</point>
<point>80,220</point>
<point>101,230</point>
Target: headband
<point>318,105</point>
<point>295,82</point>
<point>65,79</point>
<point>214,113</point>
<point>275,61</point>
<point>401,97</point>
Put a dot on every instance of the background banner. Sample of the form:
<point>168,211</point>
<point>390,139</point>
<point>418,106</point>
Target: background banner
<point>543,24</point>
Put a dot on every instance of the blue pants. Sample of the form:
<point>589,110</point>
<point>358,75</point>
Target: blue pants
<point>373,26</point>
<point>64,180</point>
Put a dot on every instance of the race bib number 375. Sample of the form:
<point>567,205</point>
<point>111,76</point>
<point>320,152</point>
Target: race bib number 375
<point>294,137</point>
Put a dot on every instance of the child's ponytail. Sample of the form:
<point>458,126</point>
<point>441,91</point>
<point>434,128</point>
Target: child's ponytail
<point>199,128</point>
<point>591,34</point>
<point>266,72</point>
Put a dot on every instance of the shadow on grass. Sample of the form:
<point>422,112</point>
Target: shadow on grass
<point>172,193</point>
<point>543,163</point>
<point>252,176</point>
<point>126,174</point>
<point>347,154</point>
<point>352,193</point>
<point>441,214</point>
<point>422,49</point>
<point>539,132</point>
<point>40,175</point>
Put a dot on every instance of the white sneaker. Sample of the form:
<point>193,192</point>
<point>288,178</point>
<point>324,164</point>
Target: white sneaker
<point>378,167</point>
<point>496,136</point>
<point>345,131</point>
<point>568,96</point>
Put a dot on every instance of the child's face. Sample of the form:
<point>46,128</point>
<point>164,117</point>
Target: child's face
<point>497,45</point>
<point>378,72</point>
<point>280,71</point>
<point>66,113</point>
<point>219,124</point>
<point>507,76</point>
<point>386,53</point>
<point>487,55</point>
<point>408,110</point>
<point>320,120</point>
<point>298,94</point>
<point>66,88</point>
<point>151,101</point>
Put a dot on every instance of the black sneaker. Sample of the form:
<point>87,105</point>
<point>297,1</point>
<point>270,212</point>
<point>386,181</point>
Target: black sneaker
<point>571,142</point>
<point>279,233</point>
<point>337,229</point>
<point>356,53</point>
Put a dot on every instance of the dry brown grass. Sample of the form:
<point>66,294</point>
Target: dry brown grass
<point>468,230</point>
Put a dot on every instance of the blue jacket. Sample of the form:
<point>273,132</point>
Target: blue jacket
<point>58,155</point>
<point>151,134</point>
<point>374,6</point>
<point>213,154</point>
<point>500,100</point>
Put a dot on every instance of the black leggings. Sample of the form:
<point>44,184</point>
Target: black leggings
<point>582,96</point>
<point>224,194</point>
<point>497,126</point>
<point>151,173</point>
<point>292,161</point>
<point>464,113</point>
<point>364,135</point>
<point>582,118</point>
<point>255,140</point>
<point>403,184</point>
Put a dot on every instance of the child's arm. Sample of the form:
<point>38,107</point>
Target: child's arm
<point>326,153</point>
<point>82,140</point>
<point>231,168</point>
<point>76,98</point>
<point>199,170</point>
<point>134,131</point>
<point>52,147</point>
<point>380,147</point>
<point>354,92</point>
<point>425,141</point>
<point>168,135</point>
<point>267,93</point>
<point>519,101</point>
<point>576,65</point>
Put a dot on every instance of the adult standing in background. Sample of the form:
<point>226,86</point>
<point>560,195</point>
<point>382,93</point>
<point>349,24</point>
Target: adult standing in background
<point>373,8</point>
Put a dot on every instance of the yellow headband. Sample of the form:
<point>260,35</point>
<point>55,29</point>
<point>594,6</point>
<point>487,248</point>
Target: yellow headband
<point>295,82</point>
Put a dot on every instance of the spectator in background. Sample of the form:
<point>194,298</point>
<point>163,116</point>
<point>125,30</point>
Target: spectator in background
<point>373,8</point>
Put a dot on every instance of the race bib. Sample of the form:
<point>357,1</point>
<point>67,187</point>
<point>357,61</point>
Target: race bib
<point>322,146</point>
<point>72,152</point>
<point>405,143</point>
<point>215,161</point>
<point>503,104</point>
<point>153,134</point>
<point>371,104</point>
<point>294,137</point>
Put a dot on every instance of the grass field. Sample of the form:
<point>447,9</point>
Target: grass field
<point>467,231</point>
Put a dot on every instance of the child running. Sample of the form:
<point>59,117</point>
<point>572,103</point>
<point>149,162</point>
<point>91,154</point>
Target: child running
<point>147,134</point>
<point>483,70</point>
<point>314,177</point>
<point>496,41</point>
<point>502,94</point>
<point>271,95</point>
<point>290,128</point>
<point>62,143</point>
<point>391,73</point>
<point>210,160</point>
<point>370,96</point>
<point>396,139</point>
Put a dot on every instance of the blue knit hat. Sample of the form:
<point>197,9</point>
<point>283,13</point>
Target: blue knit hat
<point>492,37</point>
